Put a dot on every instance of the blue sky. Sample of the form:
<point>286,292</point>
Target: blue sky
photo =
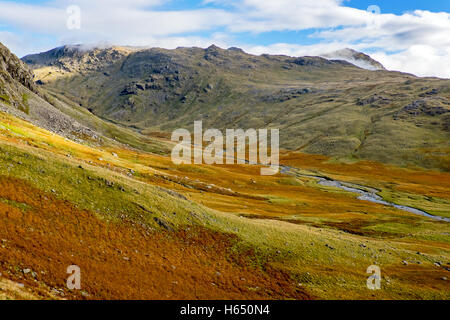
<point>409,36</point>
<point>401,6</point>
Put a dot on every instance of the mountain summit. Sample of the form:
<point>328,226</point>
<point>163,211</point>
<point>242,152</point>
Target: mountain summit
<point>356,58</point>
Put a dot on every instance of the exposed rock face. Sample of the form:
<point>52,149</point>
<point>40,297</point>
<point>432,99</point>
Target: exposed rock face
<point>356,58</point>
<point>12,66</point>
<point>373,100</point>
<point>436,110</point>
<point>422,108</point>
<point>429,93</point>
<point>287,94</point>
<point>311,61</point>
<point>14,74</point>
<point>78,58</point>
<point>130,89</point>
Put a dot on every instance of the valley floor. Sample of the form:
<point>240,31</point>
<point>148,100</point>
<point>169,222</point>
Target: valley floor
<point>140,227</point>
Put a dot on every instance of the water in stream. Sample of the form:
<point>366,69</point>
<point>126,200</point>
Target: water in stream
<point>366,194</point>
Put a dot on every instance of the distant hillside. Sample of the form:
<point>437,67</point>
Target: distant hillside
<point>323,106</point>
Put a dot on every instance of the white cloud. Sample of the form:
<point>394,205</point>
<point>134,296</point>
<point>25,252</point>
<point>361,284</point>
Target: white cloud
<point>280,15</point>
<point>115,19</point>
<point>419,39</point>
<point>423,60</point>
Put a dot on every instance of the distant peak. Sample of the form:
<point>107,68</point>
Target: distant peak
<point>347,51</point>
<point>236,49</point>
<point>78,57</point>
<point>213,47</point>
<point>354,57</point>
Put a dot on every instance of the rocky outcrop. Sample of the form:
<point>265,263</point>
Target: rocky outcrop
<point>373,100</point>
<point>78,58</point>
<point>15,76</point>
<point>311,61</point>
<point>11,66</point>
<point>421,108</point>
<point>132,89</point>
<point>429,93</point>
<point>287,94</point>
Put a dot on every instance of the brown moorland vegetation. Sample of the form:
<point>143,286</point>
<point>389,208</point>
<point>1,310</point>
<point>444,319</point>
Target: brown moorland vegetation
<point>123,261</point>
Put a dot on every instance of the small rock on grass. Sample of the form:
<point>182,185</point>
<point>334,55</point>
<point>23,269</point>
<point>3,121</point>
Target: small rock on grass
<point>163,224</point>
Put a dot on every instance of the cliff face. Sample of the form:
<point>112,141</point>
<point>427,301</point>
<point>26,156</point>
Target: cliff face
<point>15,76</point>
<point>16,69</point>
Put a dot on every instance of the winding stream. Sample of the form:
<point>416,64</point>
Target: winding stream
<point>366,193</point>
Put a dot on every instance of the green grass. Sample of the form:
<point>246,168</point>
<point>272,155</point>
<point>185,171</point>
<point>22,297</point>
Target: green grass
<point>431,205</point>
<point>89,188</point>
<point>5,99</point>
<point>280,200</point>
<point>25,107</point>
<point>22,206</point>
